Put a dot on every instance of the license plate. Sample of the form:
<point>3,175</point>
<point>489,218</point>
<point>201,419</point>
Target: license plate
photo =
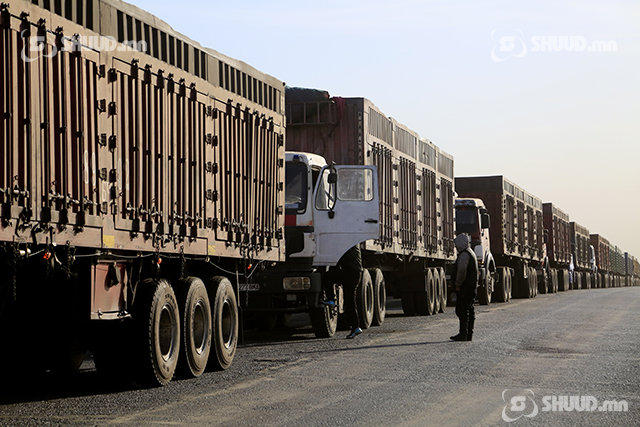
<point>249,287</point>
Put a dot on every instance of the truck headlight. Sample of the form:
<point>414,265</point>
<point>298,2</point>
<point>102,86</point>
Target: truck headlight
<point>296,283</point>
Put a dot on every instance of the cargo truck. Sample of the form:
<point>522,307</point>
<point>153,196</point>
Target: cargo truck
<point>511,255</point>
<point>415,183</point>
<point>632,270</point>
<point>142,178</point>
<point>602,249</point>
<point>556,224</point>
<point>584,258</point>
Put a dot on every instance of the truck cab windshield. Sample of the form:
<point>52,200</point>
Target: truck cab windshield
<point>467,221</point>
<point>295,193</point>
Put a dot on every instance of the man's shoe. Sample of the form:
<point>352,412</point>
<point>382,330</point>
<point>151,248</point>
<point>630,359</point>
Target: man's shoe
<point>469,336</point>
<point>459,337</point>
<point>354,333</point>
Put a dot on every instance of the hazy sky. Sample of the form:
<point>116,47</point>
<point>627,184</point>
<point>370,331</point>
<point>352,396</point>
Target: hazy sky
<point>546,93</point>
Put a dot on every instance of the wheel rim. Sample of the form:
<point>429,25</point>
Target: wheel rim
<point>200,327</point>
<point>227,323</point>
<point>166,332</point>
<point>382,296</point>
<point>369,298</point>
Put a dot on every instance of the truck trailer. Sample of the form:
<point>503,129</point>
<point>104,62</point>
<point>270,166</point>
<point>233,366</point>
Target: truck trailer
<point>602,249</point>
<point>512,256</point>
<point>141,179</point>
<point>556,224</point>
<point>584,258</point>
<point>415,183</point>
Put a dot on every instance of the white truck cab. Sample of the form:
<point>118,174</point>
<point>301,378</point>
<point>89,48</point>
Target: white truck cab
<point>328,208</point>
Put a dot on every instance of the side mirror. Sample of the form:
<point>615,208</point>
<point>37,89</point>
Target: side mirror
<point>333,177</point>
<point>485,219</point>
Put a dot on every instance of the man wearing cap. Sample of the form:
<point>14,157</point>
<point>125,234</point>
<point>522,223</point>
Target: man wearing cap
<point>466,287</point>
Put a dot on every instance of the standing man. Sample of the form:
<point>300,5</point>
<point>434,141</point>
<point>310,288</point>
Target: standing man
<point>466,287</point>
<point>350,265</point>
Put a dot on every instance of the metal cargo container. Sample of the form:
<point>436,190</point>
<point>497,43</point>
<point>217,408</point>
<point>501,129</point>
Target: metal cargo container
<point>556,222</point>
<point>579,245</point>
<point>515,233</point>
<point>516,216</point>
<point>602,249</point>
<point>124,144</point>
<point>415,177</point>
<point>584,265</point>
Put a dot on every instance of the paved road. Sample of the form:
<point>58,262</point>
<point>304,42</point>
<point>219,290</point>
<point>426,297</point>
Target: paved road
<point>584,343</point>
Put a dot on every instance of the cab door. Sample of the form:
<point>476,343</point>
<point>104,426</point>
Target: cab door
<point>346,210</point>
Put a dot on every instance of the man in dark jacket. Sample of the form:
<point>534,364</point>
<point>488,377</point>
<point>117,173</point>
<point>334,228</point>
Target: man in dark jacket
<point>466,287</point>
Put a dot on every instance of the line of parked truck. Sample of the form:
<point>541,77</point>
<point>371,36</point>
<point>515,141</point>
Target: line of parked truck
<point>147,204</point>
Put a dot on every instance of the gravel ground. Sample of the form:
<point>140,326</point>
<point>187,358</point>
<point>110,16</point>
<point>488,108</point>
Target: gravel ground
<point>406,372</point>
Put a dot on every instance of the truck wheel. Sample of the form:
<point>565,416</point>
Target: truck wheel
<point>324,319</point>
<point>408,303</point>
<point>543,282</point>
<point>196,332</point>
<point>484,293</point>
<point>157,331</point>
<point>431,293</point>
<point>437,291</point>
<point>365,300</point>
<point>509,282</point>
<point>224,323</point>
<point>500,291</point>
<point>563,280</point>
<point>444,289</point>
<point>380,293</point>
<point>534,281</point>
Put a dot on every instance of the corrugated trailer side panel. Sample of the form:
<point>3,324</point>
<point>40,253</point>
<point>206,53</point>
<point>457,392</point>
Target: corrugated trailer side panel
<point>602,248</point>
<point>580,245</point>
<point>516,216</point>
<point>124,150</point>
<point>559,244</point>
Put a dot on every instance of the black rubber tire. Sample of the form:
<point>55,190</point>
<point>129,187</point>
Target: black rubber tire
<point>437,291</point>
<point>484,296</point>
<point>380,293</point>
<point>564,281</point>
<point>365,300</point>
<point>196,332</point>
<point>534,282</point>
<point>224,323</point>
<point>509,285</point>
<point>408,303</point>
<point>157,331</point>
<point>543,282</point>
<point>500,291</point>
<point>522,284</point>
<point>444,291</point>
<point>324,320</point>
<point>431,293</point>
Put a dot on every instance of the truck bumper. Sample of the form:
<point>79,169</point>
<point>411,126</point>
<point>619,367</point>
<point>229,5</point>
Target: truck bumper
<point>275,294</point>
